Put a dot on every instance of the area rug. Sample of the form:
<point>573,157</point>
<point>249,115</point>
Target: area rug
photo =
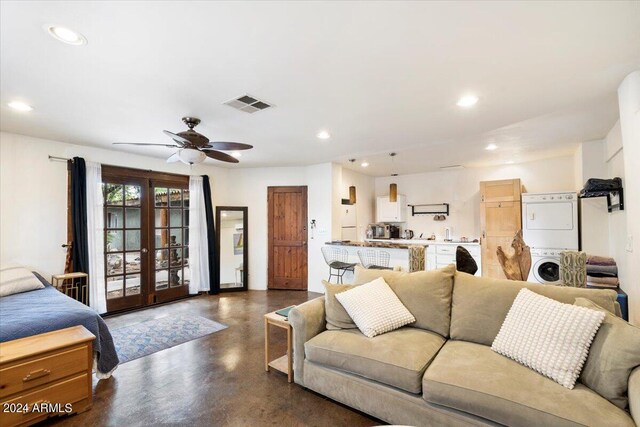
<point>142,339</point>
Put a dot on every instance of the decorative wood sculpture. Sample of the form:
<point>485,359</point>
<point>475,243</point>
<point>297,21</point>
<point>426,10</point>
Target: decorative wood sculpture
<point>516,266</point>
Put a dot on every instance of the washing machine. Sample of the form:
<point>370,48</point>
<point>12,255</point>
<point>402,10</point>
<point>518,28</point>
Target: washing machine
<point>545,266</point>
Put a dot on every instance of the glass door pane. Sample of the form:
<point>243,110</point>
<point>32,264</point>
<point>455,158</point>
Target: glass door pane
<point>124,246</point>
<point>171,213</point>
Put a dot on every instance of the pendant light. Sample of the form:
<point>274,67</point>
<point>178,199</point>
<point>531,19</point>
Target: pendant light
<point>352,189</point>
<point>393,187</point>
<point>352,195</point>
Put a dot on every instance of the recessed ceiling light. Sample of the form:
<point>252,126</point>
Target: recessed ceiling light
<point>364,164</point>
<point>323,134</point>
<point>236,154</point>
<point>20,106</point>
<point>491,147</point>
<point>467,101</point>
<point>66,35</point>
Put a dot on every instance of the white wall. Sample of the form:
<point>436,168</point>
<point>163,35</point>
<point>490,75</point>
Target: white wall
<point>629,103</point>
<point>590,163</point>
<point>33,195</point>
<point>248,187</point>
<point>461,189</point>
<point>33,202</point>
<point>617,220</point>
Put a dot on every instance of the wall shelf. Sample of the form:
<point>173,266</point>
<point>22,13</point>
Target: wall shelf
<point>611,189</point>
<point>430,209</point>
<point>610,195</point>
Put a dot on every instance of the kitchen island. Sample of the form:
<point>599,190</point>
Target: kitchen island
<point>438,253</point>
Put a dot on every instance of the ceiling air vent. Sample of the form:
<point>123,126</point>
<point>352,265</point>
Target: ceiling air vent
<point>248,104</point>
<point>451,167</point>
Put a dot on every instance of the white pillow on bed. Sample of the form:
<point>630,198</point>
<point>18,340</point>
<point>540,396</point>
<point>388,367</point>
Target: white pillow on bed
<point>15,279</point>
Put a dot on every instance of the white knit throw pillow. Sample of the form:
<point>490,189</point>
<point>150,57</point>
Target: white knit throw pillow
<point>375,308</point>
<point>548,336</point>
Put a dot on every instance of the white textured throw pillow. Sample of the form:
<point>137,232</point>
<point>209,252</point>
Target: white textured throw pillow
<point>15,279</point>
<point>375,308</point>
<point>548,336</point>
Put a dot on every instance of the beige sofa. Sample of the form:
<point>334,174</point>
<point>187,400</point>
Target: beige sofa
<point>441,371</point>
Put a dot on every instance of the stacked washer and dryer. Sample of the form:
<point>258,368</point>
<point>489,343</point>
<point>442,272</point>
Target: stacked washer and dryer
<point>549,226</point>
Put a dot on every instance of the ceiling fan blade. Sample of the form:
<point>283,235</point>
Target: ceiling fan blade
<point>173,158</point>
<point>177,138</point>
<point>218,155</point>
<point>144,143</point>
<point>223,145</point>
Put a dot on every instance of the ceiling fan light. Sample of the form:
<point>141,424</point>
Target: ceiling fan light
<point>191,156</point>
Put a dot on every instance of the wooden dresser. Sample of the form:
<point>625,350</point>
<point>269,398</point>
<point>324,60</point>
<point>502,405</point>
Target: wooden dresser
<point>45,375</point>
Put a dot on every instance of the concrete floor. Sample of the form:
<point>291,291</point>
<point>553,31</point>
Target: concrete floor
<point>216,380</point>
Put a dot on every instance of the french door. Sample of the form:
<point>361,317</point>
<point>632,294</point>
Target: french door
<point>146,237</point>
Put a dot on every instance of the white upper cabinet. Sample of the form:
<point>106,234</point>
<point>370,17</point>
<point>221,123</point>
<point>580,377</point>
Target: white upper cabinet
<point>387,211</point>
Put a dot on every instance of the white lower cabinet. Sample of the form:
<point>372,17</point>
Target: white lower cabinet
<point>441,255</point>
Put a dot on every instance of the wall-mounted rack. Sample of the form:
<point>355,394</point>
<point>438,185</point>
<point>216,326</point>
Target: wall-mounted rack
<point>430,209</point>
<point>615,198</point>
<point>611,189</point>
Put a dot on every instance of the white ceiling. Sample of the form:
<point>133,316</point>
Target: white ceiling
<point>380,76</point>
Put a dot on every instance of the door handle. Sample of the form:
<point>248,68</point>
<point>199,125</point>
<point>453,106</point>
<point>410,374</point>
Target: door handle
<point>304,243</point>
<point>144,250</point>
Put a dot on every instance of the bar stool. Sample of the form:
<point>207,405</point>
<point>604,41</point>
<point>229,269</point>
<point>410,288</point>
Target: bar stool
<point>377,260</point>
<point>336,259</point>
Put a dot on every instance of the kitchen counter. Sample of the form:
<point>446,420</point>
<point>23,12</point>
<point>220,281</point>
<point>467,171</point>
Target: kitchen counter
<point>387,244</point>
<point>424,242</point>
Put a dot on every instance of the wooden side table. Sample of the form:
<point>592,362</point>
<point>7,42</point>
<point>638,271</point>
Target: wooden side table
<point>283,363</point>
<point>74,285</point>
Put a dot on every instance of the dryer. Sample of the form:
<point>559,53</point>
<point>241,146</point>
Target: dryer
<point>550,220</point>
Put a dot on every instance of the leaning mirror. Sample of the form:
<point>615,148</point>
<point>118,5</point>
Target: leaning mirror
<point>232,247</point>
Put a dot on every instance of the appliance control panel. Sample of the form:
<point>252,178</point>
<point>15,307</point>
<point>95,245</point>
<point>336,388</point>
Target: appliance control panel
<point>549,197</point>
<point>547,252</point>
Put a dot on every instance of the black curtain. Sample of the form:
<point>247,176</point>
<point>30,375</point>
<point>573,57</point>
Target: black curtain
<point>80,247</point>
<point>214,268</point>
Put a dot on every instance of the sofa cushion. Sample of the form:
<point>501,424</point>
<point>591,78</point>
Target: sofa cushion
<point>548,336</point>
<point>480,304</point>
<point>397,358</point>
<point>374,308</point>
<point>615,352</point>
<point>470,377</point>
<point>426,294</point>
<point>337,317</point>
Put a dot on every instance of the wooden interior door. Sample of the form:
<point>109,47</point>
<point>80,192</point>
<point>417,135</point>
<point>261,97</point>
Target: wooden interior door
<point>504,190</point>
<point>500,220</point>
<point>287,238</point>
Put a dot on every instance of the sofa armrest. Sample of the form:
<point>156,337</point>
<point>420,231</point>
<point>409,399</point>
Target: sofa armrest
<point>634,395</point>
<point>307,321</point>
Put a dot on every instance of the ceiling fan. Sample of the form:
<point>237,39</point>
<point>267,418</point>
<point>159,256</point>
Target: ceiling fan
<point>193,147</point>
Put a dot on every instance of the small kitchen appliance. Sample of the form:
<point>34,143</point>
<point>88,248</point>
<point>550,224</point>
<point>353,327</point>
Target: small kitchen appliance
<point>380,231</point>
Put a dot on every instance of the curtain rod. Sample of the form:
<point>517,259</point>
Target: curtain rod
<point>58,159</point>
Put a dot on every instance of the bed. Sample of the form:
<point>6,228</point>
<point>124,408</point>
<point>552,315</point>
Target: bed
<point>44,310</point>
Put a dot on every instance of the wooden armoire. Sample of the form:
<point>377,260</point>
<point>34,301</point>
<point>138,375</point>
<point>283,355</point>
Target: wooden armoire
<point>500,220</point>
